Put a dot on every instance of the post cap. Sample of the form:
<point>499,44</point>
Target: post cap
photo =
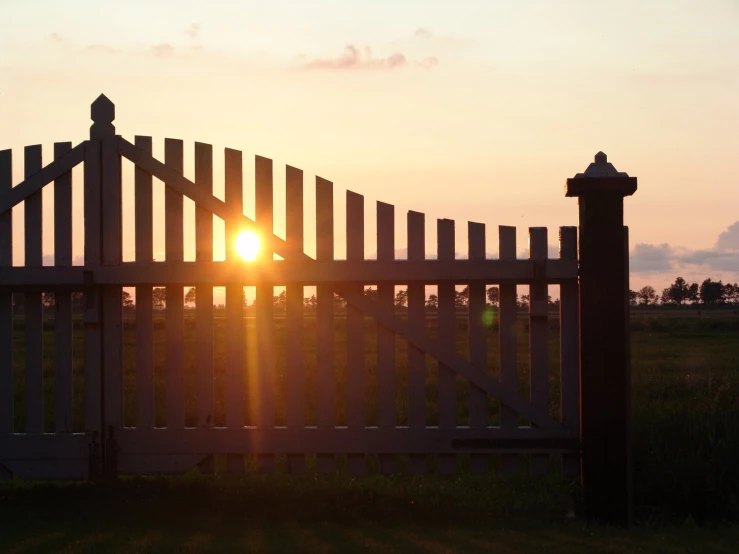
<point>102,113</point>
<point>600,176</point>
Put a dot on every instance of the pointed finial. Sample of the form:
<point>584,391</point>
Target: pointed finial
<point>102,113</point>
<point>601,158</point>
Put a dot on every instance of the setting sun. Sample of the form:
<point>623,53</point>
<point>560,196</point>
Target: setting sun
<point>247,245</point>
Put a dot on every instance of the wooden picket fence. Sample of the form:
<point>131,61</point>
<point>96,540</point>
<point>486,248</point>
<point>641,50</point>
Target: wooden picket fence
<point>93,381</point>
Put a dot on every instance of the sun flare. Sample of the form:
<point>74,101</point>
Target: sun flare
<point>247,245</point>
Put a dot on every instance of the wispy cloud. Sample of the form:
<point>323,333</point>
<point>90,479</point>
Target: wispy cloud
<point>193,31</point>
<point>429,63</point>
<point>423,33</point>
<point>69,44</point>
<point>165,50</point>
<point>352,58</point>
<point>101,49</point>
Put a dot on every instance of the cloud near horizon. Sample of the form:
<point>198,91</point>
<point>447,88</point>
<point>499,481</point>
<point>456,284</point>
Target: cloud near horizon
<point>660,258</point>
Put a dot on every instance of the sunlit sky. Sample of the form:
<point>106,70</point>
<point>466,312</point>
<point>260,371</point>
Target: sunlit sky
<point>468,110</point>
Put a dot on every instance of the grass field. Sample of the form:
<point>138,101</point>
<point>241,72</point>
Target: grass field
<point>686,475</point>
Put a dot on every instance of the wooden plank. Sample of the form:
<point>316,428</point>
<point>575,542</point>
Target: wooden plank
<point>569,336</point>
<point>356,372</point>
<point>416,320</point>
<point>295,348</point>
<point>144,221</point>
<point>234,359</point>
<point>34,182</point>
<point>33,307</point>
<point>325,371</point>
<point>261,379</point>
<point>303,270</point>
<point>387,379</point>
<point>447,330</point>
<point>93,334</point>
<point>345,440</point>
<point>175,316</point>
<point>262,388</point>
<point>112,320</point>
<point>6,304</point>
<point>538,343</point>
<point>507,342</point>
<point>64,390</point>
<point>204,292</point>
<point>477,341</point>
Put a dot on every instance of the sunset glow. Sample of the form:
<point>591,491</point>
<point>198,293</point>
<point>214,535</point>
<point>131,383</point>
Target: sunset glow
<point>248,245</point>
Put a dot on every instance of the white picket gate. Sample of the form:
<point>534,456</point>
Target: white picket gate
<point>193,432</point>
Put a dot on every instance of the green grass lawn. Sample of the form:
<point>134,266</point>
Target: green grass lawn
<point>686,476</point>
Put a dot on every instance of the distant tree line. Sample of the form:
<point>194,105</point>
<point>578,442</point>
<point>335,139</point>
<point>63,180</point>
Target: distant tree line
<point>679,293</point>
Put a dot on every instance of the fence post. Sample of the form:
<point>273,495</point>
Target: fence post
<point>605,375</point>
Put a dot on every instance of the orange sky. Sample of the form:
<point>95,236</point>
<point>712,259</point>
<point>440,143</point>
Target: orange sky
<point>464,110</point>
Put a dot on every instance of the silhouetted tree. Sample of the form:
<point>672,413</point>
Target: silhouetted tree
<point>371,293</point>
<point>523,301</point>
<point>339,301</point>
<point>280,301</point>
<point>461,297</point>
<point>432,301</point>
<point>190,297</point>
<point>647,295</point>
<point>633,297</point>
<point>126,300</point>
<point>159,297</point>
<point>311,302</point>
<point>401,298</point>
<point>693,293</point>
<point>712,292</point>
<point>493,294</point>
<point>666,298</point>
<point>731,293</point>
<point>677,293</point>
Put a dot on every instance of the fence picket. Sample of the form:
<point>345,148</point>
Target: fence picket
<point>538,331</point>
<point>477,340</point>
<point>262,376</point>
<point>417,321</point>
<point>204,375</point>
<point>386,370</point>
<point>204,292</point>
<point>64,390</point>
<point>325,371</point>
<point>235,392</point>
<point>144,217</point>
<point>6,305</point>
<point>93,331</point>
<point>33,304</point>
<point>295,350</point>
<point>447,323</point>
<point>174,319</point>
<point>112,233</point>
<point>356,376</point>
<point>569,313</point>
<point>508,354</point>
